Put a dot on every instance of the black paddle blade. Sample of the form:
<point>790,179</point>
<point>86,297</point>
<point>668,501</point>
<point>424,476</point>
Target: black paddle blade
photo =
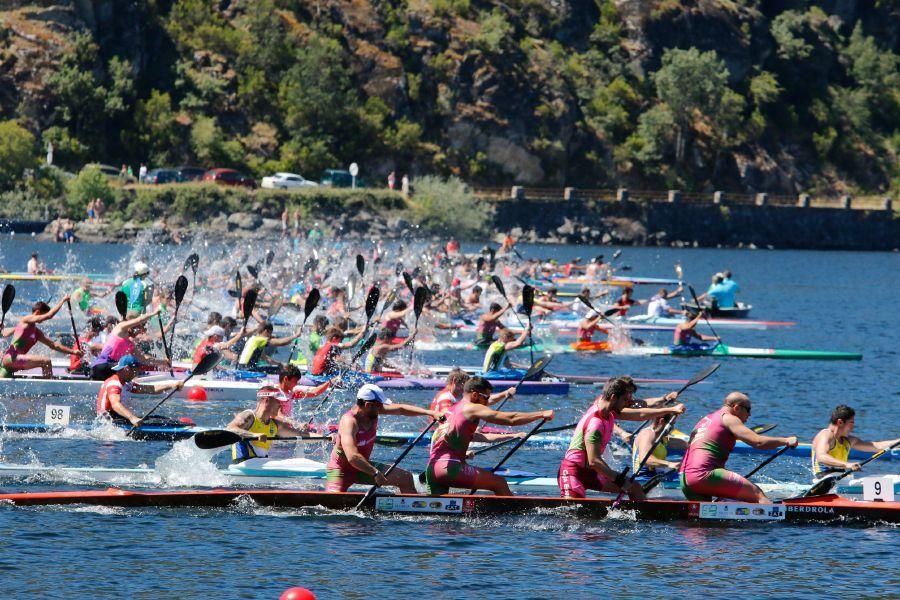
<point>761,429</point>
<point>538,367</point>
<point>181,286</point>
<point>499,285</point>
<point>312,301</point>
<point>217,438</point>
<point>249,303</point>
<point>372,299</point>
<point>360,264</point>
<point>528,299</point>
<point>270,256</point>
<point>823,486</point>
<point>493,262</point>
<point>479,264</point>
<point>9,294</point>
<point>370,341</point>
<point>238,283</point>
<point>407,279</point>
<point>191,262</point>
<point>122,303</point>
<point>253,270</point>
<point>207,364</point>
<point>419,299</point>
<point>700,377</point>
<point>610,312</point>
<point>587,303</point>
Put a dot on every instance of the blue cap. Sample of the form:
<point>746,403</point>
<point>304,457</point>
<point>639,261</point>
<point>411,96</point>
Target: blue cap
<point>126,361</point>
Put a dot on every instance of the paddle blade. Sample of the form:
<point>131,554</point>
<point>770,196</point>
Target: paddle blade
<point>407,279</point>
<point>9,294</point>
<point>351,287</point>
<point>419,299</point>
<point>277,303</point>
<point>700,377</point>
<point>249,303</point>
<point>499,285</point>
<point>528,299</point>
<point>823,486</point>
<point>538,367</point>
<point>586,302</point>
<point>360,264</point>
<point>372,301</point>
<point>479,264</point>
<point>312,301</point>
<point>238,283</point>
<point>761,429</point>
<point>270,256</point>
<point>610,312</point>
<point>207,364</point>
<point>122,303</point>
<point>191,262</point>
<point>253,270</point>
<point>206,440</point>
<point>181,286</point>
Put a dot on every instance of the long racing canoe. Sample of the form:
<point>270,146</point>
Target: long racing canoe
<point>817,509</point>
<point>723,351</point>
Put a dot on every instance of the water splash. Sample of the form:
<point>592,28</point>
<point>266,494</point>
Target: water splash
<point>186,465</point>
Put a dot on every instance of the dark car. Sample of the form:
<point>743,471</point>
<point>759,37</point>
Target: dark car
<point>340,178</point>
<point>160,176</point>
<point>190,173</point>
<point>229,177</point>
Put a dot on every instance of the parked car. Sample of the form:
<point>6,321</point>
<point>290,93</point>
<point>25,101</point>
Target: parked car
<point>340,178</point>
<point>160,176</point>
<point>284,181</point>
<point>190,173</point>
<point>229,177</point>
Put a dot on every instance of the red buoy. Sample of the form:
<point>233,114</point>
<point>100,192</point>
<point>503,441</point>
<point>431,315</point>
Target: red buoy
<point>186,421</point>
<point>197,394</point>
<point>297,593</point>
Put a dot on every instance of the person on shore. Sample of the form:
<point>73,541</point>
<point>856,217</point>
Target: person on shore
<point>391,180</point>
<point>121,341</point>
<point>118,388</point>
<point>831,446</point>
<point>260,426</point>
<point>357,430</point>
<point>142,173</point>
<point>68,231</point>
<point>404,185</point>
<point>99,209</point>
<point>583,466</point>
<point>703,472</point>
<point>24,338</point>
<point>495,357</point>
<point>447,466</point>
<point>91,215</point>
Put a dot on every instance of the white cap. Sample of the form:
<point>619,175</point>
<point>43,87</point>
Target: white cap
<point>372,393</point>
<point>141,268</point>
<point>214,330</point>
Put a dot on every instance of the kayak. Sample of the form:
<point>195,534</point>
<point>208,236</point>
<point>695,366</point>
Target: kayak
<point>22,276</point>
<point>717,323</point>
<point>550,387</point>
<point>721,350</point>
<point>591,346</point>
<point>817,509</point>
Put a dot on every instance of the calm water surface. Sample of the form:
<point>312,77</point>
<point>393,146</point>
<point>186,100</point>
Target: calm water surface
<point>840,300</point>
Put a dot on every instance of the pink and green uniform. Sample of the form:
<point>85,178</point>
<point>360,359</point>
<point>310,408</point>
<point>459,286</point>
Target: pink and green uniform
<point>24,338</point>
<point>340,474</point>
<point>575,475</point>
<point>447,465</point>
<point>703,472</point>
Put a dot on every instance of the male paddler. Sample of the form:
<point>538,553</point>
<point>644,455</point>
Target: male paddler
<point>116,390</point>
<point>703,472</point>
<point>357,430</point>
<point>495,356</point>
<point>583,466</point>
<point>447,466</point>
<point>136,289</point>
<point>831,446</point>
<point>254,356</point>
<point>260,426</point>
<point>659,459</point>
<point>453,392</point>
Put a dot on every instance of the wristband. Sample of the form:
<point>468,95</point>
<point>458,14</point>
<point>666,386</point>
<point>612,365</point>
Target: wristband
<point>620,480</point>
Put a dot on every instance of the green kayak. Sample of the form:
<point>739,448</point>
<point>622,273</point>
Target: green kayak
<point>722,350</point>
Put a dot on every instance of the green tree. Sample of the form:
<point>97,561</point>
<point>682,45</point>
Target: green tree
<point>17,153</point>
<point>448,207</point>
<point>690,83</point>
<point>90,183</point>
<point>157,131</point>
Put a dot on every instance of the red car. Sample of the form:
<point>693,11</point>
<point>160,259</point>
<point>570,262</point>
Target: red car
<point>229,177</point>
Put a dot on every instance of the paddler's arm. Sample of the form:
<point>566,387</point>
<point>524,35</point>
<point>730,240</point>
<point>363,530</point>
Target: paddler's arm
<point>57,346</point>
<point>347,430</point>
<point>660,400</point>
<point>645,414</point>
<point>501,396</point>
<point>866,446</point>
<point>241,424</point>
<point>149,360</point>
<point>477,411</point>
<point>496,437</point>
<point>275,342</point>
<point>518,342</point>
<point>129,323</point>
<point>747,435</point>
<point>156,388</point>
<point>35,319</point>
<point>354,341</point>
<point>642,444</point>
<point>230,342</point>
<point>288,427</point>
<point>408,410</point>
<point>115,403</point>
<point>308,391</point>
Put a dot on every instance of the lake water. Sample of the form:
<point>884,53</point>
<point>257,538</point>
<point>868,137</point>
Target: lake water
<point>840,301</point>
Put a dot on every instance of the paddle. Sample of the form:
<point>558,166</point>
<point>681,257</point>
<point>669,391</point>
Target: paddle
<point>514,448</point>
<point>216,438</point>
<point>270,256</point>
<point>765,462</point>
<point>206,364</point>
<point>387,302</point>
<point>122,304</point>
<point>605,314</point>
<point>312,301</point>
<point>499,285</point>
<point>493,262</point>
<point>528,305</point>
<point>372,303</point>
<point>705,317</point>
<point>360,265</point>
<point>365,347</point>
<point>479,264</point>
<point>9,294</point>
<point>192,261</point>
<point>396,462</point>
<point>254,271</point>
<point>824,485</point>
<point>534,370</point>
<point>407,279</point>
<point>238,284</point>
<point>692,381</point>
<point>162,335</point>
<point>249,304</point>
<point>419,299</point>
<point>181,285</point>
<point>71,320</point>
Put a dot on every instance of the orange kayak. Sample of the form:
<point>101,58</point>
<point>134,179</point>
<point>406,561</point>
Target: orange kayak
<point>600,346</point>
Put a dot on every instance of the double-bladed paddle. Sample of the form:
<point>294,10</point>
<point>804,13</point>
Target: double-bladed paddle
<point>192,261</point>
<point>692,381</point>
<point>71,320</point>
<point>403,454</point>
<point>528,305</point>
<point>392,295</point>
<point>498,283</point>
<point>825,485</point>
<point>206,364</point>
<point>217,438</point>
<point>238,283</point>
<point>407,279</point>
<point>9,294</point>
<point>249,304</point>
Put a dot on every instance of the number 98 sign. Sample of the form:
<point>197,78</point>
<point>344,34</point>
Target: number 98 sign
<point>57,415</point>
